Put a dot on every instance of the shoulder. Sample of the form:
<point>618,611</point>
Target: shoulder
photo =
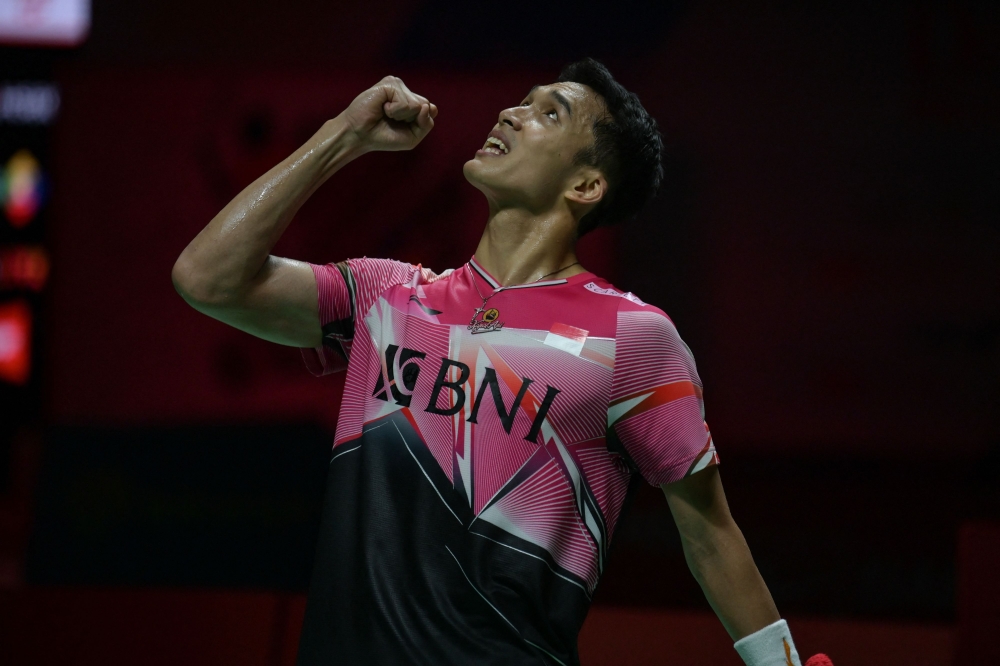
<point>368,268</point>
<point>639,326</point>
<point>369,279</point>
<point>603,294</point>
<point>389,272</point>
<point>616,313</point>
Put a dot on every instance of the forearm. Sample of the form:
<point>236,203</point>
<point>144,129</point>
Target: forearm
<point>226,255</point>
<point>723,566</point>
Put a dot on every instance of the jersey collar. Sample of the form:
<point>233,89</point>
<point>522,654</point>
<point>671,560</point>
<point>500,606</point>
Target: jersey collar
<point>496,285</point>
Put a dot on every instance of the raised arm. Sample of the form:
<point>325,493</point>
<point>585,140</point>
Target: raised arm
<point>228,272</point>
<point>717,553</point>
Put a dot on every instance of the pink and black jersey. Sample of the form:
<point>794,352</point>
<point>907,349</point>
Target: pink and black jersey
<point>481,465</point>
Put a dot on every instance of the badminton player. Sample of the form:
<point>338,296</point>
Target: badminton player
<point>496,416</point>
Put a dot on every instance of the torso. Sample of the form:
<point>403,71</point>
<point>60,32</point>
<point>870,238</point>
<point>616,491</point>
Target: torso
<point>473,488</point>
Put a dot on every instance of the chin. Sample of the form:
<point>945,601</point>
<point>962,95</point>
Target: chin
<point>473,170</point>
<point>487,178</point>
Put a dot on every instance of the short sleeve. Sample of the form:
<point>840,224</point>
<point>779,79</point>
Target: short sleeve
<point>656,412</point>
<point>345,291</point>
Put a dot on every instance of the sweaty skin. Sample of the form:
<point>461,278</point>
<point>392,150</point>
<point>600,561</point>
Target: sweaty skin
<point>537,196</point>
<point>227,271</point>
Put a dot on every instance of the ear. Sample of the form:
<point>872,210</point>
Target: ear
<point>587,188</point>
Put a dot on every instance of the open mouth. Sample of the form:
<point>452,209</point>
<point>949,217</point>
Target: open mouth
<point>495,146</point>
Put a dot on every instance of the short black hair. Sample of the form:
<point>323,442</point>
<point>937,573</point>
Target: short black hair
<point>627,147</point>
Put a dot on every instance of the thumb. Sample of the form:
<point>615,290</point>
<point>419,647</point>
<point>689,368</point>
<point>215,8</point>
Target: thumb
<point>425,120</point>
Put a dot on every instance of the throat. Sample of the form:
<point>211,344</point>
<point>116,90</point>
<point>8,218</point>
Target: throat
<point>519,246</point>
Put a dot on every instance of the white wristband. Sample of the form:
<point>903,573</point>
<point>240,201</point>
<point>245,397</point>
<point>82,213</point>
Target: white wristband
<point>770,646</point>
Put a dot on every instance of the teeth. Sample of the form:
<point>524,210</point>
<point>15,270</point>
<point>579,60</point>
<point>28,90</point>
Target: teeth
<point>498,143</point>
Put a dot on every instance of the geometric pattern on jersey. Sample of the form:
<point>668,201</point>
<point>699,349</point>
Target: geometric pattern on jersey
<point>530,438</point>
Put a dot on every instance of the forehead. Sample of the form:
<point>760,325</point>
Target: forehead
<point>582,101</point>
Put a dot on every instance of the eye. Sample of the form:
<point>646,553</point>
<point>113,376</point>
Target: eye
<point>554,115</point>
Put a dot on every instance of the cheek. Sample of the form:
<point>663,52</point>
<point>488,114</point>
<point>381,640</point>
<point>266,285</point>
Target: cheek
<point>557,162</point>
<point>548,155</point>
<point>535,169</point>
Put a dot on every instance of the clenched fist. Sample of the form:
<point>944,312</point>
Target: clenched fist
<point>388,116</point>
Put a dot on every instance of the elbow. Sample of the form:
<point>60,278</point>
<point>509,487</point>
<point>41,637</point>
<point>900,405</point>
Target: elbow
<point>194,284</point>
<point>179,275</point>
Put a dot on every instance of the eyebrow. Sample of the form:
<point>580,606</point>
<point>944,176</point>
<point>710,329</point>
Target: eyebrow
<point>559,98</point>
<point>562,100</point>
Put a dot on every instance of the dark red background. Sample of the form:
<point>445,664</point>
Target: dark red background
<point>827,241</point>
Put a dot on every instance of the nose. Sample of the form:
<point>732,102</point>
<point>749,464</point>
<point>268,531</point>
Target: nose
<point>510,117</point>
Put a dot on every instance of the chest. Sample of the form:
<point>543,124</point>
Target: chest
<point>533,376</point>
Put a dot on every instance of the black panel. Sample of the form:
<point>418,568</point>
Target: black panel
<point>399,577</point>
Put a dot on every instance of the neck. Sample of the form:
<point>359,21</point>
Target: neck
<point>518,247</point>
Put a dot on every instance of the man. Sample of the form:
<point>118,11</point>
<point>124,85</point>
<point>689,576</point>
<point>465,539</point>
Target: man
<point>495,416</point>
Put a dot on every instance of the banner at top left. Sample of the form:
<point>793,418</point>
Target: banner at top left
<point>44,22</point>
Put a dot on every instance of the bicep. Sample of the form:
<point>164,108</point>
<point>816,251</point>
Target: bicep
<point>279,305</point>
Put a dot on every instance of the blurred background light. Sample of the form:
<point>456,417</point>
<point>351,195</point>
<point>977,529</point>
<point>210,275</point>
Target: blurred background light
<point>28,103</point>
<point>15,342</point>
<point>22,188</point>
<point>23,267</point>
